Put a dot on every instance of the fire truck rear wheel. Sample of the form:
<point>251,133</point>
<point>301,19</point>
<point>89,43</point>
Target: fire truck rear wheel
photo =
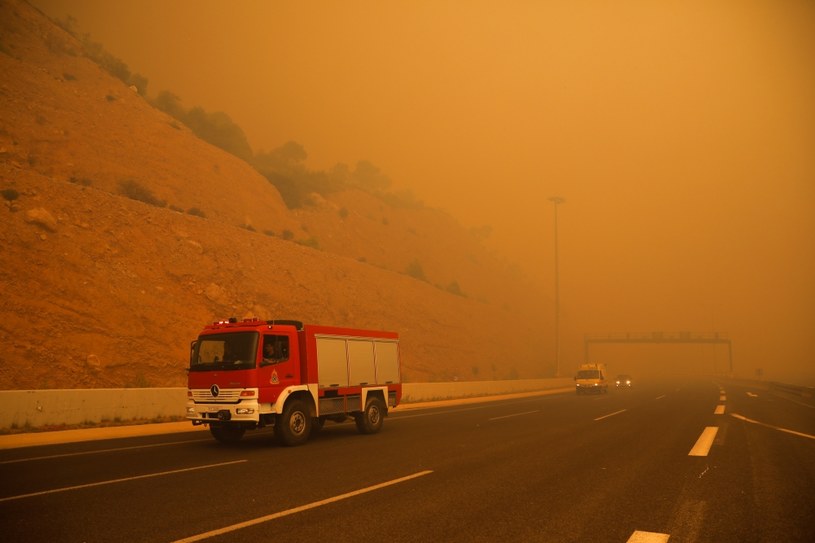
<point>294,425</point>
<point>226,433</point>
<point>370,421</point>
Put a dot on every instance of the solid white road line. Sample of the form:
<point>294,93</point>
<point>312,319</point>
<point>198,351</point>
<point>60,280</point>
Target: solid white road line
<point>793,432</point>
<point>611,414</point>
<point>515,415</point>
<point>719,410</point>
<point>312,505</point>
<point>123,480</point>
<point>704,442</point>
<point>647,537</point>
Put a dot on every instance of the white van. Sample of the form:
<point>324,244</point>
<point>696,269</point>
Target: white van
<point>591,379</point>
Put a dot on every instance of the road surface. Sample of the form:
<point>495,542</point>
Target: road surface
<point>680,462</point>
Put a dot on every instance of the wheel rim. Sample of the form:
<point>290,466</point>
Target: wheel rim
<point>373,414</point>
<point>297,423</point>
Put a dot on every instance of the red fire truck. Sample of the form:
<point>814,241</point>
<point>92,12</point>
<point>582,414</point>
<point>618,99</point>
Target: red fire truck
<point>254,373</point>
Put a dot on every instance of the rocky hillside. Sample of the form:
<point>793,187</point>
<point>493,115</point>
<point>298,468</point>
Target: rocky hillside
<point>122,233</point>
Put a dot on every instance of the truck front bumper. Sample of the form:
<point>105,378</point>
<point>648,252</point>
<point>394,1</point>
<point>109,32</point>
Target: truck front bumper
<point>204,413</point>
<point>217,405</point>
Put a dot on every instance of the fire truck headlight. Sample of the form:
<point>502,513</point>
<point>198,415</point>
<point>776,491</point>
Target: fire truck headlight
<point>191,411</point>
<point>244,411</point>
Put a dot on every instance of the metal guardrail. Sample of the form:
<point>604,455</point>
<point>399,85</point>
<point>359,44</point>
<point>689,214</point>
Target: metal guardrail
<point>796,390</point>
<point>804,393</point>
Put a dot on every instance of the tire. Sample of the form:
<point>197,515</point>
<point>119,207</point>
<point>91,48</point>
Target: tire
<point>293,427</point>
<point>226,433</point>
<point>370,421</point>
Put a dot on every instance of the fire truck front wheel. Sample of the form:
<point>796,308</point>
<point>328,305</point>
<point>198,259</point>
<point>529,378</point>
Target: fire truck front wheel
<point>226,433</point>
<point>370,421</point>
<point>293,426</point>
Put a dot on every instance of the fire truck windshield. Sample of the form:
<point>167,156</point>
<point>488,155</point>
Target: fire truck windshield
<point>235,350</point>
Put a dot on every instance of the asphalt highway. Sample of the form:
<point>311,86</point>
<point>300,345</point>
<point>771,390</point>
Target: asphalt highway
<point>679,462</point>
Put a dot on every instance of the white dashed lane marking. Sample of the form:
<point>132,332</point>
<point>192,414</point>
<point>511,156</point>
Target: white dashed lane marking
<point>704,442</point>
<point>647,537</point>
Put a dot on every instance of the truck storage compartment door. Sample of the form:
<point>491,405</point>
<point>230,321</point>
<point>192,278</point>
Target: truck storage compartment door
<point>361,369</point>
<point>332,362</point>
<point>387,362</point>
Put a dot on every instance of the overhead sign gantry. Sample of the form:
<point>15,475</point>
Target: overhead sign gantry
<point>660,338</point>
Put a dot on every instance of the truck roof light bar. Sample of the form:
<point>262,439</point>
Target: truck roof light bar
<point>298,325</point>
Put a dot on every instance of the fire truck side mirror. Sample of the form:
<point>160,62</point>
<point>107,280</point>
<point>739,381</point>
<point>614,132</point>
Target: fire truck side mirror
<point>192,351</point>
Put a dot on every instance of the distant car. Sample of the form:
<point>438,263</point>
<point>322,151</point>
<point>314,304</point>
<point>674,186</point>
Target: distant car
<point>623,380</point>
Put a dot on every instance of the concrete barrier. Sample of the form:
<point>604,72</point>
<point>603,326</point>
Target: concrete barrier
<point>22,409</point>
<point>33,409</point>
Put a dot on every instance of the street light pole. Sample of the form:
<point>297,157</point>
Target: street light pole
<point>557,200</point>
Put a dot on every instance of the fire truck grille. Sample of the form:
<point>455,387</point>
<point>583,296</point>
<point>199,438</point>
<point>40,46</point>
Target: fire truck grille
<point>224,396</point>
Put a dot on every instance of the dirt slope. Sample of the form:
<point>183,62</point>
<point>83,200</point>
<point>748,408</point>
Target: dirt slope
<point>100,290</point>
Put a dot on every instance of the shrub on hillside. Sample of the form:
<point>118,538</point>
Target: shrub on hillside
<point>402,199</point>
<point>295,187</point>
<point>10,194</point>
<point>414,269</point>
<point>285,168</point>
<point>140,82</point>
<point>453,288</point>
<point>136,191</point>
<point>111,64</point>
<point>310,242</point>
<point>169,103</point>
<point>216,128</point>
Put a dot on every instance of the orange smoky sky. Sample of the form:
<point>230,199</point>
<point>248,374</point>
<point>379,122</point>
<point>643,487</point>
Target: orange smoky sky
<point>680,133</point>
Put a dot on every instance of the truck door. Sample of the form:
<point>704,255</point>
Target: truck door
<point>279,366</point>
